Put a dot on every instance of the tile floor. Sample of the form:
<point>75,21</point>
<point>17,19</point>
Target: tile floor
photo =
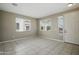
<point>38,46</point>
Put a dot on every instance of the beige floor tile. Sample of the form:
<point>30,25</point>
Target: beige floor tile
<point>38,46</point>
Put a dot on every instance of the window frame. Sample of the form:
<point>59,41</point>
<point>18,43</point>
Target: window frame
<point>45,25</point>
<point>22,22</point>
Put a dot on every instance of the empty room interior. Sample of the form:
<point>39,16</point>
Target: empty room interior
<point>39,29</point>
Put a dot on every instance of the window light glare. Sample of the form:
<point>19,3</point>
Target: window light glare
<point>70,4</point>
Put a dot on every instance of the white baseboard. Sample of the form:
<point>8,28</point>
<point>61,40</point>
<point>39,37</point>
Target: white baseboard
<point>52,39</point>
<point>16,39</point>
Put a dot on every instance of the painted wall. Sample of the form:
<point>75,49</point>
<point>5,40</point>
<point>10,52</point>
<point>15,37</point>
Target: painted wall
<point>72,27</point>
<point>0,26</point>
<point>9,27</point>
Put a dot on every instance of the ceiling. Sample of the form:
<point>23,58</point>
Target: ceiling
<point>36,10</point>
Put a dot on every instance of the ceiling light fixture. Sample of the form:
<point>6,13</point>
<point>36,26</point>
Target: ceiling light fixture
<point>14,4</point>
<point>70,4</point>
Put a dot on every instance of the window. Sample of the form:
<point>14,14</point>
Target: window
<point>42,27</point>
<point>45,25</point>
<point>27,27</point>
<point>17,26</point>
<point>48,28</point>
<point>23,24</point>
<point>60,23</point>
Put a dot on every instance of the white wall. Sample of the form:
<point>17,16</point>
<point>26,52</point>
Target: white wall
<point>71,23</point>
